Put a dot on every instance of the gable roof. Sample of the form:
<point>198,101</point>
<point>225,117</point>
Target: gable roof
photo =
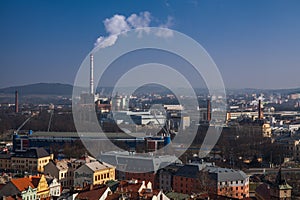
<point>92,194</point>
<point>62,165</point>
<point>22,183</point>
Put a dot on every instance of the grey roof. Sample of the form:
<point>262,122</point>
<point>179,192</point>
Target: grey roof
<point>95,166</point>
<point>225,174</point>
<point>62,165</point>
<point>137,162</point>
<point>9,189</point>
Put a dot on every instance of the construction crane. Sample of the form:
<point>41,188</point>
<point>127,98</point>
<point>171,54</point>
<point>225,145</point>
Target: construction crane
<point>23,124</point>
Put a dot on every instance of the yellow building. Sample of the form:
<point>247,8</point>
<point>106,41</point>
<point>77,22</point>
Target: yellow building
<point>31,160</point>
<point>93,173</point>
<point>40,182</point>
<point>266,129</point>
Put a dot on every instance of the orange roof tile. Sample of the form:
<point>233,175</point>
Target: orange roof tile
<point>22,183</point>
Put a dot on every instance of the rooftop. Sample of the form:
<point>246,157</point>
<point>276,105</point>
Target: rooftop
<point>225,174</point>
<point>34,152</point>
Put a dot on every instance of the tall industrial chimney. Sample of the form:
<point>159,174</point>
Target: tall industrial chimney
<point>91,74</point>
<point>16,102</point>
<point>208,117</point>
<point>260,114</point>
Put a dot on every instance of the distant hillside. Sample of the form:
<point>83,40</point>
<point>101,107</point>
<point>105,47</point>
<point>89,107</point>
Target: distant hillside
<point>265,91</point>
<point>40,89</point>
<point>66,90</point>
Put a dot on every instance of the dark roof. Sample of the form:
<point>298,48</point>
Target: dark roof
<point>9,189</point>
<point>5,156</point>
<point>172,168</point>
<point>35,152</point>
<point>263,191</point>
<point>91,194</point>
<point>188,171</point>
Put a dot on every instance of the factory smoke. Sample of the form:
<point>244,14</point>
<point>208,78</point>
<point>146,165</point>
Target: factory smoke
<point>120,23</point>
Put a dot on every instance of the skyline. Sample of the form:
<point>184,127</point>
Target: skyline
<point>254,44</point>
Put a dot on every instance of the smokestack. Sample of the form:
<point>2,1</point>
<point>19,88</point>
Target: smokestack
<point>91,74</point>
<point>16,102</point>
<point>260,114</point>
<point>208,117</point>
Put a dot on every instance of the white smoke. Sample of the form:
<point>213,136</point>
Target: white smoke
<point>119,23</point>
<point>165,33</point>
<point>116,24</point>
<point>139,21</point>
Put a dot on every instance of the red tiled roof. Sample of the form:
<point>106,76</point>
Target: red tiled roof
<point>113,196</point>
<point>22,183</point>
<point>94,194</point>
<point>129,187</point>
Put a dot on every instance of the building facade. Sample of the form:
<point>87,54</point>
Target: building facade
<point>93,173</point>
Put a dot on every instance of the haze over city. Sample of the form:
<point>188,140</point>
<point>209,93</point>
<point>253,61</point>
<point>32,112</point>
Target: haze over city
<point>255,44</point>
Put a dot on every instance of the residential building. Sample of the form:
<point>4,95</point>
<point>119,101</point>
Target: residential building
<point>229,182</point>
<point>5,161</point>
<point>62,170</point>
<point>40,183</point>
<point>31,160</point>
<point>187,180</point>
<point>21,187</point>
<point>165,177</point>
<point>93,173</point>
<point>54,187</point>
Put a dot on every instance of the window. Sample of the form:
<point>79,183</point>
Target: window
<point>107,175</point>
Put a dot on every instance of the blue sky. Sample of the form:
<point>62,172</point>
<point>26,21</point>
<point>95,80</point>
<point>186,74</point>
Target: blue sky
<point>255,44</point>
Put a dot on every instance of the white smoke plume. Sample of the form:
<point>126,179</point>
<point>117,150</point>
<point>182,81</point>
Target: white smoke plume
<point>119,23</point>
